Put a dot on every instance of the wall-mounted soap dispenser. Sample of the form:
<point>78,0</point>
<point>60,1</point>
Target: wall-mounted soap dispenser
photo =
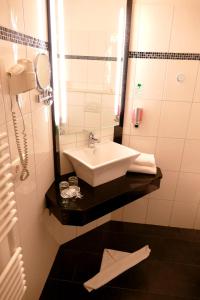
<point>137,115</point>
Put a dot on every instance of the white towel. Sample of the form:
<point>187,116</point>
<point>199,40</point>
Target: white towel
<point>142,169</point>
<point>145,159</point>
<point>113,264</point>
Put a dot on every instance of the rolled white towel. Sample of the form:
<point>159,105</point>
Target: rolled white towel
<point>142,169</point>
<point>145,159</point>
<point>116,264</point>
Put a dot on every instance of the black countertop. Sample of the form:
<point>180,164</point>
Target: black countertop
<point>100,200</point>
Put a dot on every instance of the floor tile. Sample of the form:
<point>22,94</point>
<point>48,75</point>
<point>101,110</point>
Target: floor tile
<point>171,272</point>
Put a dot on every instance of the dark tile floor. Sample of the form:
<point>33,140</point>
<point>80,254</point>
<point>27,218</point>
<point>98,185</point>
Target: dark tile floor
<point>172,272</point>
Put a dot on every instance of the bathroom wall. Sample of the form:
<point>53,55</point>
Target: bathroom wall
<point>169,30</point>
<point>39,246</point>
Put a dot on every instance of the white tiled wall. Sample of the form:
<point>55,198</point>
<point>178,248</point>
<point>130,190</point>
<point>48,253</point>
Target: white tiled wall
<point>170,127</point>
<point>39,247</point>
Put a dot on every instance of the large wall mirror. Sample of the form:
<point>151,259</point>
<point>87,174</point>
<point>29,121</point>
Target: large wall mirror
<point>89,59</point>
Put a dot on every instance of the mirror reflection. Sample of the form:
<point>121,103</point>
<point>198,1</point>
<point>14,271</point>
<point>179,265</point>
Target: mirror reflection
<point>88,49</point>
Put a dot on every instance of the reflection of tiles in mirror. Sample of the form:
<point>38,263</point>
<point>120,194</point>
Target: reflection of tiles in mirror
<point>90,57</point>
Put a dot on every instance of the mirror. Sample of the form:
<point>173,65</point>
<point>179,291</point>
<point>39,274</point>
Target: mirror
<point>88,48</point>
<point>43,77</point>
<point>87,52</point>
<point>42,70</point>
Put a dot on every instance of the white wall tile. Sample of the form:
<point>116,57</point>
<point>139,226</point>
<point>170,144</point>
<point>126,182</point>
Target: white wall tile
<point>136,211</point>
<point>174,119</point>
<point>186,28</point>
<point>97,43</point>
<point>183,214</point>
<point>197,219</point>
<point>167,186</point>
<point>108,101</point>
<point>194,128</point>
<point>169,153</point>
<point>75,98</point>
<point>2,111</point>
<point>61,233</point>
<point>188,188</point>
<point>92,121</point>
<point>107,117</point>
<point>35,26</point>
<point>150,120</point>
<point>79,42</point>
<point>155,26</point>
<point>150,73</point>
<point>110,75</point>
<point>67,139</point>
<point>78,73</point>
<point>83,229</point>
<point>11,15</point>
<point>191,157</point>
<point>143,144</point>
<point>126,140</point>
<point>159,212</point>
<point>180,90</point>
<point>76,116</point>
<point>197,88</point>
<point>103,219</point>
<point>117,215</point>
<point>4,14</point>
<point>96,73</point>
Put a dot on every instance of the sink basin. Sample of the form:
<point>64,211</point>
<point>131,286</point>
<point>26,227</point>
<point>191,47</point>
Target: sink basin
<point>103,163</point>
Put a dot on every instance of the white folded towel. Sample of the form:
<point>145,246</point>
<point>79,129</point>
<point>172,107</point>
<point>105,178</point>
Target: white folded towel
<point>142,169</point>
<point>145,159</point>
<point>113,264</point>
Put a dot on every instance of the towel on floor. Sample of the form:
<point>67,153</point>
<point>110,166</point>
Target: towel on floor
<point>113,264</point>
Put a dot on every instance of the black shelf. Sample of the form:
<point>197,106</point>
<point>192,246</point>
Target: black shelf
<point>100,200</point>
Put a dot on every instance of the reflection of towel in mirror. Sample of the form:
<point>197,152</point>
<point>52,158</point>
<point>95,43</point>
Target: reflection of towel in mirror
<point>113,264</point>
<point>144,163</point>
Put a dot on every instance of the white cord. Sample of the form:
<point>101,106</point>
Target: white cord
<point>23,158</point>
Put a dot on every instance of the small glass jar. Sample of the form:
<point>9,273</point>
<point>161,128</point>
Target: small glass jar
<point>63,185</point>
<point>73,181</point>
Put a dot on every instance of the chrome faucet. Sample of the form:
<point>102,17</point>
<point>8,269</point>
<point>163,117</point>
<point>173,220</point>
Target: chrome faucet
<point>92,140</point>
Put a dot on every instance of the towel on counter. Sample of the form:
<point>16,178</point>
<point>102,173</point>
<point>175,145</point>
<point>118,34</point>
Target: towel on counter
<point>145,159</point>
<point>113,264</point>
<point>142,169</point>
<point>144,163</point>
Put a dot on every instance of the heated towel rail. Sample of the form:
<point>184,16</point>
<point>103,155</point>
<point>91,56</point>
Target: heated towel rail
<point>12,276</point>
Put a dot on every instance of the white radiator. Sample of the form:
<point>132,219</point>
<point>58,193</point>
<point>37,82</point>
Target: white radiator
<point>12,277</point>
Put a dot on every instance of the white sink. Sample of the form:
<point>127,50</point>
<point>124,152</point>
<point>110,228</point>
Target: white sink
<point>105,162</point>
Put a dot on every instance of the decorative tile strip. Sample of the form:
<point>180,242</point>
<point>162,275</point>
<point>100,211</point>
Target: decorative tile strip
<point>85,57</point>
<point>20,38</point>
<point>164,55</point>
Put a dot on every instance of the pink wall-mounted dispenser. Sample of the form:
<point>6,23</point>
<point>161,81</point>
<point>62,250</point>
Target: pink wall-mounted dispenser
<point>137,116</point>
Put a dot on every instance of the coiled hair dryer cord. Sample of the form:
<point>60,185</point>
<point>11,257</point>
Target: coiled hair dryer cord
<point>23,157</point>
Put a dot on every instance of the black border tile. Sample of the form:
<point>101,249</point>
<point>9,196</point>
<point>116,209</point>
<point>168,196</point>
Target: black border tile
<point>164,55</point>
<point>21,38</point>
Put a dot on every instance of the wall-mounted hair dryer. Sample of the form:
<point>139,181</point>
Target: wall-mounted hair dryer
<point>137,116</point>
<point>21,77</point>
